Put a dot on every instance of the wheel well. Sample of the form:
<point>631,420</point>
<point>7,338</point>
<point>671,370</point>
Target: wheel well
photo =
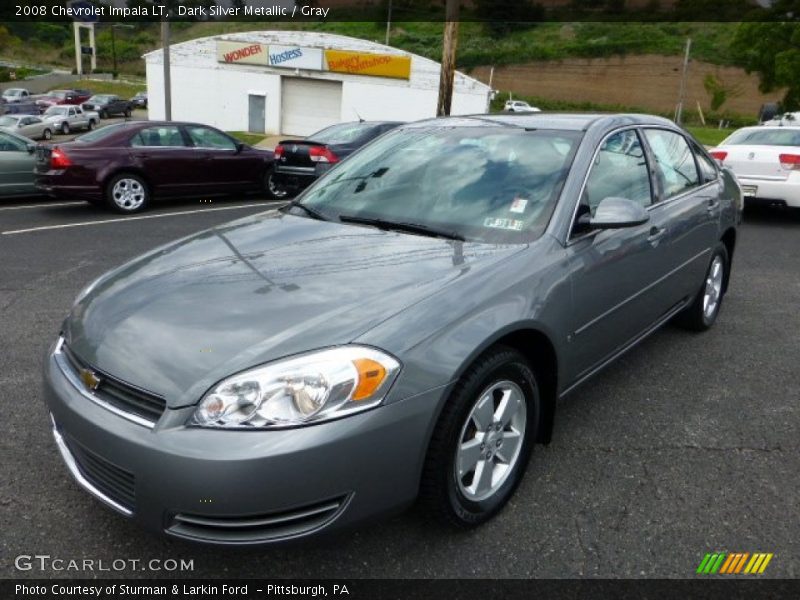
<point>541,355</point>
<point>729,239</point>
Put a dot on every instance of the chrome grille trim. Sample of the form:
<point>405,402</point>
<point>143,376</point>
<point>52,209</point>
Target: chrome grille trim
<point>68,367</point>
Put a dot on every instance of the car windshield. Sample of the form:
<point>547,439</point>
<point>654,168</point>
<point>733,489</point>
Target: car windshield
<point>100,99</point>
<point>341,134</point>
<point>60,94</point>
<point>482,183</point>
<point>8,121</point>
<point>56,110</point>
<point>12,92</point>
<point>781,136</point>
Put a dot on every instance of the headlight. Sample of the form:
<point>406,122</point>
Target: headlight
<point>299,391</point>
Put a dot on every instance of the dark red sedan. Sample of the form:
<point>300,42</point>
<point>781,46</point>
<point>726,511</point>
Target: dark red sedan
<point>127,165</point>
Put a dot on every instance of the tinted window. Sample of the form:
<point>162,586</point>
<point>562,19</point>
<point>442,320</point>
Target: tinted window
<point>203,137</point>
<point>708,168</point>
<point>11,144</point>
<point>490,184</point>
<point>619,170</point>
<point>674,161</point>
<point>764,137</point>
<point>342,134</point>
<point>158,136</point>
<point>101,133</point>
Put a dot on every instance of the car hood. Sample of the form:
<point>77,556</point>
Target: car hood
<point>182,317</point>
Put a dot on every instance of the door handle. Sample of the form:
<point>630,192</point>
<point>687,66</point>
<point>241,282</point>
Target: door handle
<point>713,203</point>
<point>656,233</point>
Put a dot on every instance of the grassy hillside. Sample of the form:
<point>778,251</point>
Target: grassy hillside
<point>51,43</point>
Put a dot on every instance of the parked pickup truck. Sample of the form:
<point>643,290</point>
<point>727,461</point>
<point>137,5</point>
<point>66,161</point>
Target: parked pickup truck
<point>67,118</point>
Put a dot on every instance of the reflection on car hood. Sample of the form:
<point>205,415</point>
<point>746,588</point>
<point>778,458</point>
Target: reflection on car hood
<point>181,318</point>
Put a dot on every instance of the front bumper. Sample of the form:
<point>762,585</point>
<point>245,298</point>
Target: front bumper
<point>242,487</point>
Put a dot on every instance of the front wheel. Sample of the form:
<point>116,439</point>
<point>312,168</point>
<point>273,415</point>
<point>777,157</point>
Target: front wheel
<point>47,134</point>
<point>703,312</point>
<point>102,114</point>
<point>273,188</point>
<point>483,440</point>
<point>128,114</point>
<point>127,193</point>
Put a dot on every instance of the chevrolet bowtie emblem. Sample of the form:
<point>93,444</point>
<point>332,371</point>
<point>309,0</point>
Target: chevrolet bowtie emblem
<point>89,379</point>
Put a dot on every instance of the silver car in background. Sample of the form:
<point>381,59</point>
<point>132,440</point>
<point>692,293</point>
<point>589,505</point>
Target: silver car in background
<point>30,126</point>
<point>403,329</point>
<point>17,160</point>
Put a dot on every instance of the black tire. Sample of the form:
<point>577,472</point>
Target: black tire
<point>128,114</point>
<point>65,128</point>
<point>136,185</point>
<point>102,114</point>
<point>91,124</point>
<point>47,134</point>
<point>272,189</point>
<point>696,317</point>
<point>441,490</point>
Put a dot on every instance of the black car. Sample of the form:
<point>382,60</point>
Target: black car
<point>140,100</point>
<point>298,163</point>
<point>108,105</point>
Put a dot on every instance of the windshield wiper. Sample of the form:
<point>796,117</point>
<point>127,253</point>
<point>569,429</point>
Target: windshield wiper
<point>401,226</point>
<point>311,212</point>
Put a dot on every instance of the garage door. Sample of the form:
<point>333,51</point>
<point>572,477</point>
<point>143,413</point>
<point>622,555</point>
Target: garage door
<point>308,105</point>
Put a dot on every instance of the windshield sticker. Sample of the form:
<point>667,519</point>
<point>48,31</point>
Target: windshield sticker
<point>512,224</point>
<point>518,205</point>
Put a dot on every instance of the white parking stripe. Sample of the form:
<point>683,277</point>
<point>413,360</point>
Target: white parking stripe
<point>24,206</point>
<point>136,218</point>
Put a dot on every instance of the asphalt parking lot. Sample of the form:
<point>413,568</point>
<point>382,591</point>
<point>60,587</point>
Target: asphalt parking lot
<point>687,445</point>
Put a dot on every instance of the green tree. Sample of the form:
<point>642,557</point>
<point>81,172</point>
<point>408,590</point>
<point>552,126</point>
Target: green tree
<point>772,50</point>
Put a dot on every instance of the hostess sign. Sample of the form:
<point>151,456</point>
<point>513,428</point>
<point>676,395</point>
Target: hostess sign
<point>314,59</point>
<point>294,57</point>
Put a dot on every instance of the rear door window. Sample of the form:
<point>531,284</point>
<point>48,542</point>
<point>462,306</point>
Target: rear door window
<point>163,136</point>
<point>675,164</point>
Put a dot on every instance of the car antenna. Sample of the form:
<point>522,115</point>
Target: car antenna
<point>360,119</point>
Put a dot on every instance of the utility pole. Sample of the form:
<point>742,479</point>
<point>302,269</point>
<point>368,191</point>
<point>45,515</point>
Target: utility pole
<point>167,83</point>
<point>388,22</point>
<point>679,109</point>
<point>448,70</point>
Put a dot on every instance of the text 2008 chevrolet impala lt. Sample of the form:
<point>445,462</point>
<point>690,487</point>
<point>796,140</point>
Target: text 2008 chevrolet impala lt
<point>403,329</point>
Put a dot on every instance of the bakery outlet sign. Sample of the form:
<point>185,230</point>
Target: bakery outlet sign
<point>314,59</point>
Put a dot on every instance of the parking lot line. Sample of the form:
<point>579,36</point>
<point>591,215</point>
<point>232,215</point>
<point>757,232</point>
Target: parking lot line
<point>47,205</point>
<point>136,218</point>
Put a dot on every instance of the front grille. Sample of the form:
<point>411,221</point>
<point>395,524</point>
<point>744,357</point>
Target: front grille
<point>114,482</point>
<point>119,394</point>
<point>258,528</point>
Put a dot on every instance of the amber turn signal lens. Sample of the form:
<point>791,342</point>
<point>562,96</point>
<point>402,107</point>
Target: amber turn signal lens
<point>370,376</point>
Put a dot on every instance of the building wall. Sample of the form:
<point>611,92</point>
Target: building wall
<point>219,97</point>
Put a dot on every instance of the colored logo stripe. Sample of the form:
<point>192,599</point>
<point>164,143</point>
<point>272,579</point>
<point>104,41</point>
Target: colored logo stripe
<point>730,563</point>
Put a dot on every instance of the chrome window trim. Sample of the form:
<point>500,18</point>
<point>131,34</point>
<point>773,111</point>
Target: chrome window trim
<point>66,370</point>
<point>72,465</point>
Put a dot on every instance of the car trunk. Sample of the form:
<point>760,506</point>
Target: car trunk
<point>762,162</point>
<point>43,153</point>
<point>296,154</point>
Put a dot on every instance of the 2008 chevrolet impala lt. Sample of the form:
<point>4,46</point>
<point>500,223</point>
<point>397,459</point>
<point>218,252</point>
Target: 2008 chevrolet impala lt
<point>403,329</point>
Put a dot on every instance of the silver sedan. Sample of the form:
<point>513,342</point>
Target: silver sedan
<point>29,126</point>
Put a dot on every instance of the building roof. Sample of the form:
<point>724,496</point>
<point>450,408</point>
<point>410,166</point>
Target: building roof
<point>202,53</point>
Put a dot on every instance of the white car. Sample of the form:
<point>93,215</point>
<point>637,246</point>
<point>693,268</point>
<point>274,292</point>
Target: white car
<point>520,106</point>
<point>790,118</point>
<point>16,95</point>
<point>766,161</point>
<point>63,118</point>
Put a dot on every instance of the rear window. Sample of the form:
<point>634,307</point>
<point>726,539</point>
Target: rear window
<point>342,134</point>
<point>99,134</point>
<point>764,137</point>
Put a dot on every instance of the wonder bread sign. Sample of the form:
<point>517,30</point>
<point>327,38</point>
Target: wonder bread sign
<point>314,59</point>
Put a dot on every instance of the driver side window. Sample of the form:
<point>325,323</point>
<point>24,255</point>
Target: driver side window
<point>619,170</point>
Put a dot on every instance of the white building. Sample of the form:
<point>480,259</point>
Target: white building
<point>296,82</point>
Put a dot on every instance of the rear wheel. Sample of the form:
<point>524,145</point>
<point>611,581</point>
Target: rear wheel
<point>483,440</point>
<point>103,114</point>
<point>274,189</point>
<point>127,193</point>
<point>65,128</point>
<point>128,113</point>
<point>702,313</point>
<point>90,126</point>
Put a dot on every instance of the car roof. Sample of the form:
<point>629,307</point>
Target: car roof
<point>547,120</point>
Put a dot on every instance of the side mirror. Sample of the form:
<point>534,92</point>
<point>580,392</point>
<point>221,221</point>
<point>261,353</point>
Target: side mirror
<point>616,213</point>
<point>31,148</point>
<point>240,146</point>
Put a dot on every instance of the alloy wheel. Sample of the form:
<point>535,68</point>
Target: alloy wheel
<point>128,194</point>
<point>491,440</point>
<point>713,288</point>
